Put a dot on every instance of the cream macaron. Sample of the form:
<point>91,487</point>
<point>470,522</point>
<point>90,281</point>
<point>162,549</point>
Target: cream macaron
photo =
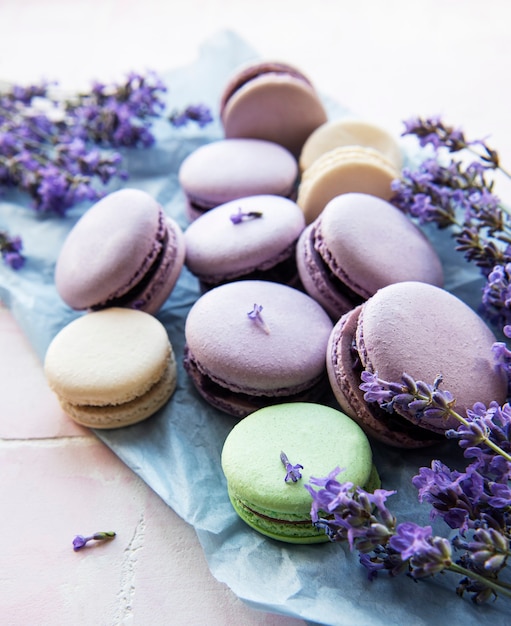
<point>342,170</point>
<point>349,131</point>
<point>111,368</point>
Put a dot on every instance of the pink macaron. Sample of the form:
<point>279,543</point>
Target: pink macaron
<point>228,169</point>
<point>254,343</point>
<point>357,245</point>
<point>249,238</point>
<point>423,331</point>
<point>123,252</point>
<point>273,101</point>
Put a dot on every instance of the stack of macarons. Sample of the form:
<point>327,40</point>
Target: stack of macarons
<point>114,365</point>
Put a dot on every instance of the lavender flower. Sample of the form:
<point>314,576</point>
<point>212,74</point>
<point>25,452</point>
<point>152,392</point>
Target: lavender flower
<point>11,247</point>
<point>199,113</point>
<point>255,315</point>
<point>292,471</point>
<point>461,197</point>
<point>60,150</point>
<point>80,541</point>
<point>242,216</point>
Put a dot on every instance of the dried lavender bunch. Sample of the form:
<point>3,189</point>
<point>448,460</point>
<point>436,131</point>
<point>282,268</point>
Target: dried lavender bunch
<point>60,149</point>
<point>459,194</point>
<point>476,502</point>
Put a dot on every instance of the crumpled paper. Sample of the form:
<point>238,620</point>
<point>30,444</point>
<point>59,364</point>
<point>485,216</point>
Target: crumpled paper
<point>177,451</point>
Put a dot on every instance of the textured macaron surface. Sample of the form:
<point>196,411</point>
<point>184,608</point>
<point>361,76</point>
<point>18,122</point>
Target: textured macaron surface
<point>285,351</point>
<point>227,169</point>
<point>425,331</point>
<point>349,132</point>
<point>317,437</point>
<point>107,357</point>
<point>255,232</point>
<point>367,243</point>
<point>110,249</point>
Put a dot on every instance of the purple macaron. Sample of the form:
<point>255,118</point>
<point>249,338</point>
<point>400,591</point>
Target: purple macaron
<point>359,244</point>
<point>228,169</point>
<point>123,252</point>
<point>256,343</point>
<point>421,330</point>
<point>249,238</point>
<point>273,101</point>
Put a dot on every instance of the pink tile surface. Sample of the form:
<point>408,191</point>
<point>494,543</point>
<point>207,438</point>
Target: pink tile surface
<point>29,409</point>
<point>153,572</point>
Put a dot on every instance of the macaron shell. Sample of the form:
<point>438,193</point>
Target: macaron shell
<point>238,353</point>
<point>318,437</point>
<point>275,106</point>
<point>218,249</point>
<point>107,357</point>
<point>344,170</point>
<point>228,169</point>
<point>344,377</point>
<point>350,132</point>
<point>425,331</point>
<point>367,244</point>
<point>98,244</point>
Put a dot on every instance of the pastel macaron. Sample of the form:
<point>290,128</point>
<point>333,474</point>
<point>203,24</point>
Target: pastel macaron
<point>342,170</point>
<point>254,343</point>
<point>250,238</point>
<point>416,329</point>
<point>359,244</point>
<point>111,368</point>
<point>315,440</point>
<point>123,252</point>
<point>350,131</point>
<point>273,101</point>
<point>228,169</point>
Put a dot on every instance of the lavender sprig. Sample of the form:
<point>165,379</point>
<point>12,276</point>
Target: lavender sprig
<point>476,501</point>
<point>79,542</point>
<point>461,197</point>
<point>61,149</point>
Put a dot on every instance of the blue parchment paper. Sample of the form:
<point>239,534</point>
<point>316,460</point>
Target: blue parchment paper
<point>177,451</point>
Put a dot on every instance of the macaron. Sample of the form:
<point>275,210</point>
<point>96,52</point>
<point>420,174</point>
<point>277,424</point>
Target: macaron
<point>249,238</point>
<point>359,244</point>
<point>344,170</point>
<point>316,439</point>
<point>273,101</point>
<point>350,132</point>
<point>123,252</point>
<point>228,169</point>
<point>254,343</point>
<point>423,331</point>
<point>111,368</point>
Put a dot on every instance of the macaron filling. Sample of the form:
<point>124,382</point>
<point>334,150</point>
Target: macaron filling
<point>334,277</point>
<point>281,268</point>
<point>231,398</point>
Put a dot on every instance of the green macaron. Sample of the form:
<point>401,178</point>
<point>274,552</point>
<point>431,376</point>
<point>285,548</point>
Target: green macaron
<point>317,438</point>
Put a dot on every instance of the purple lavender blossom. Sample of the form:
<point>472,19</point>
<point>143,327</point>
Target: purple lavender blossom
<point>80,541</point>
<point>10,248</point>
<point>242,216</point>
<point>256,316</point>
<point>292,471</point>
<point>199,113</point>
